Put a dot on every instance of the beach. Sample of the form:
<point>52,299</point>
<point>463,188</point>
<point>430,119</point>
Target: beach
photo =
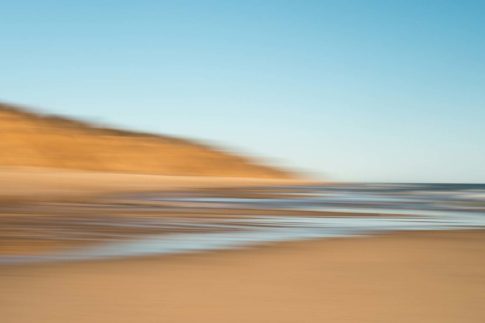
<point>400,277</point>
<point>47,184</point>
<point>242,162</point>
<point>148,248</point>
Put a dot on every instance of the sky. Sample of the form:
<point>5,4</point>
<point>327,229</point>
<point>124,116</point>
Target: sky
<point>382,91</point>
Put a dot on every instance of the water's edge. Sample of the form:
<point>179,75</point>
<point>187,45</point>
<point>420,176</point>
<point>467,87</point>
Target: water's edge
<point>413,207</point>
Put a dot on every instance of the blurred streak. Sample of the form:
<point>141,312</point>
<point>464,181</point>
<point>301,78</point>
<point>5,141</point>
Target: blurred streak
<point>210,219</point>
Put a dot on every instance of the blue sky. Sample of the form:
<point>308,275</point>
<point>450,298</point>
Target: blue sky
<point>351,90</point>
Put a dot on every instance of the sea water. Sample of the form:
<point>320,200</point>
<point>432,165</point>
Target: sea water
<point>343,210</point>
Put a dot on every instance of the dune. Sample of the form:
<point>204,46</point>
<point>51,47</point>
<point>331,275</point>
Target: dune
<point>46,141</point>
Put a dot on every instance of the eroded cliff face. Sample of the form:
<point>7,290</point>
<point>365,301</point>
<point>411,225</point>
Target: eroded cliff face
<point>31,139</point>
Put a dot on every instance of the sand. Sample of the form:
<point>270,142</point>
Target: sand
<point>24,184</point>
<point>28,138</point>
<point>402,277</point>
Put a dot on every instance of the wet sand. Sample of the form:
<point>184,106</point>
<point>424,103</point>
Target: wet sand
<point>36,228</point>
<point>401,277</point>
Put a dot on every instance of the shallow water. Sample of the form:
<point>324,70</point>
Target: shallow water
<point>378,208</point>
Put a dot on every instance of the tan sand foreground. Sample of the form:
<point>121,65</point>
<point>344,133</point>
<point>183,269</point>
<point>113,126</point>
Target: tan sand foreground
<point>403,277</point>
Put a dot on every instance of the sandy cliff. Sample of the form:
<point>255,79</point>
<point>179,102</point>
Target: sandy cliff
<point>31,139</point>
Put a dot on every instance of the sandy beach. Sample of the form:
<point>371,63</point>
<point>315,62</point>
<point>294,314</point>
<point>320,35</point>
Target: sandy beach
<point>402,277</point>
<point>242,162</point>
<point>420,276</point>
<point>45,184</point>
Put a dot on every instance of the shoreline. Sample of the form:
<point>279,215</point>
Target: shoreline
<point>421,276</point>
<point>399,276</point>
<point>245,248</point>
